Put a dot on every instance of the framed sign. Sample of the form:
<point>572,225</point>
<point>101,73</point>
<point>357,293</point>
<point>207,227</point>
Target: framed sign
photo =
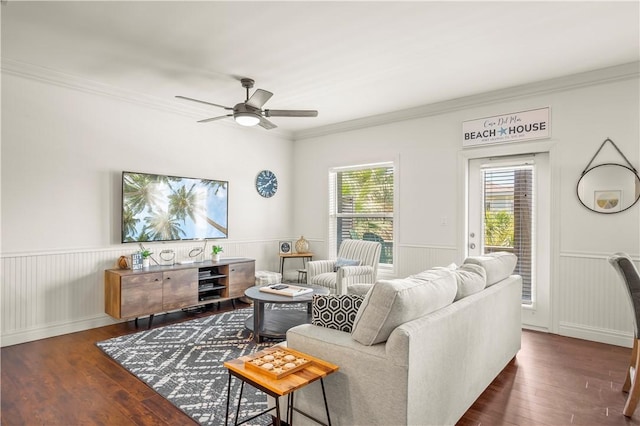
<point>512,127</point>
<point>285,247</point>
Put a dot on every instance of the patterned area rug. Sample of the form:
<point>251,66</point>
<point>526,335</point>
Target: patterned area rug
<point>183,363</point>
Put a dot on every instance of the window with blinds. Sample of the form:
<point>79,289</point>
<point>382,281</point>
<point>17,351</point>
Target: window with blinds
<point>362,206</point>
<point>508,201</point>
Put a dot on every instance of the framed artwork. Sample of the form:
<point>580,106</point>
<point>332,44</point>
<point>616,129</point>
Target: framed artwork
<point>285,247</point>
<point>607,201</point>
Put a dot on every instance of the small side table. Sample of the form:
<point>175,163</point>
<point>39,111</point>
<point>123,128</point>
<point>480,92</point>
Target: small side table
<point>304,256</point>
<point>276,388</point>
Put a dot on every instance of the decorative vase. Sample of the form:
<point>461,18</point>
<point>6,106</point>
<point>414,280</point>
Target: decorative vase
<point>302,245</point>
<point>123,262</point>
<point>145,262</point>
<point>215,257</point>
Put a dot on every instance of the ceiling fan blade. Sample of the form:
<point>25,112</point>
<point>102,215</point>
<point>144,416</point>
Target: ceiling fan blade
<point>206,120</point>
<point>259,98</point>
<point>290,113</point>
<point>266,124</point>
<point>203,102</point>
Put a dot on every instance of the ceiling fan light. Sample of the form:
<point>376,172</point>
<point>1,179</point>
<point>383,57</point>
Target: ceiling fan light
<point>246,119</point>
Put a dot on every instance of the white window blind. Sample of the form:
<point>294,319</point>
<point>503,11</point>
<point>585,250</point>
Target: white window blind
<point>508,197</point>
<point>361,203</point>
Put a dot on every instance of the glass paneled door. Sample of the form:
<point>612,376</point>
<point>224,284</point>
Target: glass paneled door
<point>509,211</point>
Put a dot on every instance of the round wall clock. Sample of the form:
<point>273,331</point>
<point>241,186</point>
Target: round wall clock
<point>266,183</point>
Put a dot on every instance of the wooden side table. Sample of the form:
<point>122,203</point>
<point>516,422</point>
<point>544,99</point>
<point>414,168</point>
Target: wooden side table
<point>276,388</point>
<point>304,256</point>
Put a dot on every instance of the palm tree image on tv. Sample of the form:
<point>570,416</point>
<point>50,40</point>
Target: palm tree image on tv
<point>164,208</point>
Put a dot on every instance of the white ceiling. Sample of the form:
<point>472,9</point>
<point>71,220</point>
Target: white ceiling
<point>348,60</point>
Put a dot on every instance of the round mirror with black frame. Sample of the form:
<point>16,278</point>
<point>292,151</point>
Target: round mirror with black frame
<point>609,188</point>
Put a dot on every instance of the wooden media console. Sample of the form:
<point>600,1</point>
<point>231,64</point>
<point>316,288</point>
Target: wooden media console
<point>136,293</point>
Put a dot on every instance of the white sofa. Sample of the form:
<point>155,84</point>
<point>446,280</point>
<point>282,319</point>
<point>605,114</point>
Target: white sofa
<point>432,367</point>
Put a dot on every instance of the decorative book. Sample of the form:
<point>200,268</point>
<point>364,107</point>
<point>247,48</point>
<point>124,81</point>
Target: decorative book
<point>276,362</point>
<point>286,289</point>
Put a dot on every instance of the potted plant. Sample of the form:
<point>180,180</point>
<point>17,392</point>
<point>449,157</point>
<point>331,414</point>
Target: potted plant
<point>215,253</point>
<point>146,254</point>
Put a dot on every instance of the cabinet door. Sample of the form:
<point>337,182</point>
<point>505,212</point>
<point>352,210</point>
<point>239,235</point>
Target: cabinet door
<point>241,277</point>
<point>141,294</point>
<point>180,289</point>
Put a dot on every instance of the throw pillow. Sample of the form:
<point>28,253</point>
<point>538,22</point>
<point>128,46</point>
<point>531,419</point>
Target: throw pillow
<point>471,279</point>
<point>340,262</point>
<point>391,303</point>
<point>337,311</point>
<point>498,265</point>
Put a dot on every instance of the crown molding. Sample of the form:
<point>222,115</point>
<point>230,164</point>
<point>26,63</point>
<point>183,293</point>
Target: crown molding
<point>61,79</point>
<point>570,82</point>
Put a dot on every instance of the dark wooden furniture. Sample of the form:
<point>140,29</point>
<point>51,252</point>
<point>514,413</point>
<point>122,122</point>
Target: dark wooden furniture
<point>132,294</point>
<point>276,388</point>
<point>275,323</point>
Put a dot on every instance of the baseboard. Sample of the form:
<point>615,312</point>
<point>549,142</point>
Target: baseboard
<point>29,335</point>
<point>611,337</point>
<point>535,328</point>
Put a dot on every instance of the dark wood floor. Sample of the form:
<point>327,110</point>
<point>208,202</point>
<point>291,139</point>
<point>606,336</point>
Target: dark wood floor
<point>67,380</point>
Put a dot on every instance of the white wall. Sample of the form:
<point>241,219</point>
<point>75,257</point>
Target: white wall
<point>64,147</point>
<point>63,152</point>
<point>430,185</point>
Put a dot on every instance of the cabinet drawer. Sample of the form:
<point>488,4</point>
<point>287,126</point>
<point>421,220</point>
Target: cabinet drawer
<point>141,294</point>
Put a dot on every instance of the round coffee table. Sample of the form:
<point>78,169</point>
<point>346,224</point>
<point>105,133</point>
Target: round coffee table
<point>275,323</point>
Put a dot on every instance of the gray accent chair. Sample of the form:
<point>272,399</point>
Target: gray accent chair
<point>627,270</point>
<point>322,272</point>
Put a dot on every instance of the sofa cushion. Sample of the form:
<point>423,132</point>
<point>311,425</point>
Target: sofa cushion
<point>498,266</point>
<point>470,279</point>
<point>393,302</point>
<point>337,311</point>
<point>340,262</point>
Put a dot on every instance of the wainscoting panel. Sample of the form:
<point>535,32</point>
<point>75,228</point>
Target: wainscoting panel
<point>44,295</point>
<point>410,259</point>
<point>48,294</point>
<point>592,303</point>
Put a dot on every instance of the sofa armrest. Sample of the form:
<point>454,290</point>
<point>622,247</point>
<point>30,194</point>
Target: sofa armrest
<point>365,383</point>
<point>356,271</point>
<point>316,267</point>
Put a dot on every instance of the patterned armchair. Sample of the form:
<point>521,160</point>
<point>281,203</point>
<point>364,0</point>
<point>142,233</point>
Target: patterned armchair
<point>326,274</point>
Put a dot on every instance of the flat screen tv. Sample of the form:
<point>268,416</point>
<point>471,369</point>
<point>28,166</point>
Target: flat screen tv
<point>169,208</point>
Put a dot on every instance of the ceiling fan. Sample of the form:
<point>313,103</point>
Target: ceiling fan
<point>250,112</point>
